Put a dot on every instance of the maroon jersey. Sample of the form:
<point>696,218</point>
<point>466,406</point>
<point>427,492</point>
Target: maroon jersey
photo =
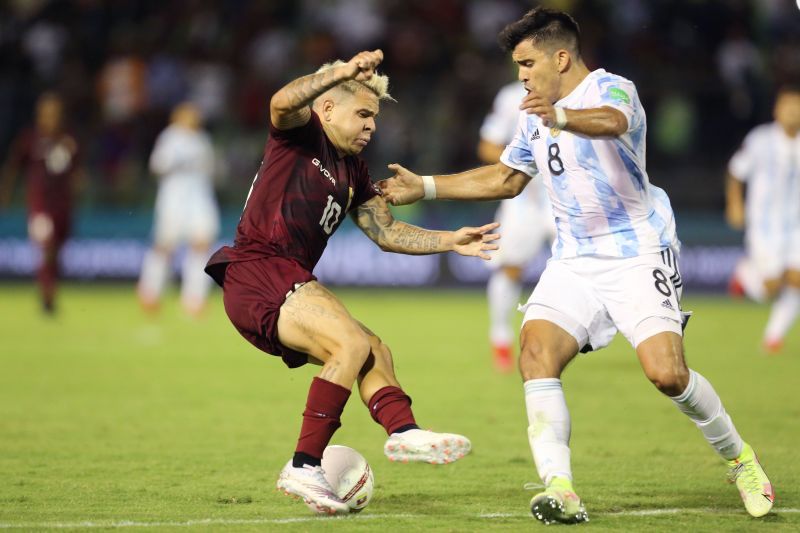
<point>299,197</point>
<point>49,164</point>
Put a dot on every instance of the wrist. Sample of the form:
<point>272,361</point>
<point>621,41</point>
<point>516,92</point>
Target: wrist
<point>428,187</point>
<point>561,117</point>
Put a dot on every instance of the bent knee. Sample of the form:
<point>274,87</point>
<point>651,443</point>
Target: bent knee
<point>536,361</point>
<point>353,346</point>
<point>671,382</point>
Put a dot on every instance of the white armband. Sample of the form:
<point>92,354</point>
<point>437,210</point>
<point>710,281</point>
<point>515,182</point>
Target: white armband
<point>561,118</point>
<point>429,186</point>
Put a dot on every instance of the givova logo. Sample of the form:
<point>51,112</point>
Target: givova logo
<point>323,170</point>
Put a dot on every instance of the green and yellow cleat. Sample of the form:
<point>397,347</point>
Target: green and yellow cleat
<point>558,503</point>
<point>751,480</point>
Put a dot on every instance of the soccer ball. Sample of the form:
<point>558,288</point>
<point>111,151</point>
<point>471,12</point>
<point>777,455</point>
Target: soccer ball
<point>350,476</point>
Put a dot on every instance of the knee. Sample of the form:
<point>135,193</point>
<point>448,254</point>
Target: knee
<point>354,347</point>
<point>670,381</point>
<point>380,357</point>
<point>536,361</point>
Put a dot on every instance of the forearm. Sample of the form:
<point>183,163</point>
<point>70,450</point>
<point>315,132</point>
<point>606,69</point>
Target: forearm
<point>492,182</point>
<point>404,238</point>
<point>301,92</point>
<point>734,192</point>
<point>597,122</point>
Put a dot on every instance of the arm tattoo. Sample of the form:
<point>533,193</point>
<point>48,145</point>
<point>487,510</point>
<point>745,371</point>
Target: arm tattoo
<point>302,91</point>
<point>377,222</point>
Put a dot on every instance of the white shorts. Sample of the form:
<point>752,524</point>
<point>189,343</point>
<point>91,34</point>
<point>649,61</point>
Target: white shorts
<point>771,256</point>
<point>190,217</point>
<point>525,227</point>
<point>593,297</point>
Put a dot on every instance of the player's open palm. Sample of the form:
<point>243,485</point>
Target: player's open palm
<point>476,241</point>
<point>362,66</point>
<point>403,188</point>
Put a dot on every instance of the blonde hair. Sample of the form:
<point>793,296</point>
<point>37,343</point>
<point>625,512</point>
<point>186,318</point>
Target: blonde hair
<point>378,84</point>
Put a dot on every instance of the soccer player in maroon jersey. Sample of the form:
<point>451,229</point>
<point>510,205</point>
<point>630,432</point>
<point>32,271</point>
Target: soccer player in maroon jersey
<point>48,155</point>
<point>310,177</point>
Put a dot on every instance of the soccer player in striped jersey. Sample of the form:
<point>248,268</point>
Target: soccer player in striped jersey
<point>768,164</point>
<point>527,223</point>
<point>614,265</point>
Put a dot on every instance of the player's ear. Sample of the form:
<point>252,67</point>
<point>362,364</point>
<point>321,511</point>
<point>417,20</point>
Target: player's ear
<point>563,60</point>
<point>327,109</point>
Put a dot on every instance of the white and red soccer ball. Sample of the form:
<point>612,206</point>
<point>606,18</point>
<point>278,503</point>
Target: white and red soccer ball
<point>349,475</point>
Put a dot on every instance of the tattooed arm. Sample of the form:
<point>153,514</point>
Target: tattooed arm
<point>377,222</point>
<point>289,107</point>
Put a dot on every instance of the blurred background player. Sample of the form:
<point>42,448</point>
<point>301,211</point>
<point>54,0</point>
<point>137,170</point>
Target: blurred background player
<point>768,164</point>
<point>614,266</point>
<point>49,158</point>
<point>185,211</point>
<point>310,178</point>
<point>525,220</point>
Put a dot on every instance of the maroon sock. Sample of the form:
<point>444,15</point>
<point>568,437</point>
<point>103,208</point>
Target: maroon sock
<point>391,408</point>
<point>324,406</point>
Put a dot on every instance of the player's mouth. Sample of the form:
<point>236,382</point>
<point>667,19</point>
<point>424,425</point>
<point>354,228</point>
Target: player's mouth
<point>362,141</point>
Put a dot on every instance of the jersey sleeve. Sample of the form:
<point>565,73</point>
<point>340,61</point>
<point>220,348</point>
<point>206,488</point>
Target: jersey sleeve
<point>517,154</point>
<point>365,189</point>
<point>308,134</point>
<point>499,125</point>
<point>743,162</point>
<point>620,94</point>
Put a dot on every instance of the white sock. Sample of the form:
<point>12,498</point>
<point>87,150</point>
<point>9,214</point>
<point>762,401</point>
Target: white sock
<point>751,280</point>
<point>195,282</point>
<point>548,428</point>
<point>155,270</point>
<point>783,314</point>
<point>701,403</point>
<point>503,294</point>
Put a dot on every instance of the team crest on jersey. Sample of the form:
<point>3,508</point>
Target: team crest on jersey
<point>554,132</point>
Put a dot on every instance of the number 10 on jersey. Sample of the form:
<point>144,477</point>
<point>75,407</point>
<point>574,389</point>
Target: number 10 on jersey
<point>330,216</point>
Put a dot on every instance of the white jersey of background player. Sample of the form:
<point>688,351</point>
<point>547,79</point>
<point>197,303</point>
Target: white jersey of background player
<point>614,262</point>
<point>185,211</point>
<point>768,163</point>
<point>526,220</point>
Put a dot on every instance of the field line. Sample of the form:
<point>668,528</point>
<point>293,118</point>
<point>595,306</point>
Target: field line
<point>304,519</point>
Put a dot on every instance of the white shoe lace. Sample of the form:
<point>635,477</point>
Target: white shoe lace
<point>532,485</point>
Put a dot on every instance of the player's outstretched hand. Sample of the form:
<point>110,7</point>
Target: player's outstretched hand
<point>534,104</point>
<point>403,188</point>
<point>362,66</point>
<point>476,241</point>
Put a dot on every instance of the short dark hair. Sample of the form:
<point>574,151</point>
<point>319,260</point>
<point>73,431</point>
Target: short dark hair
<point>545,27</point>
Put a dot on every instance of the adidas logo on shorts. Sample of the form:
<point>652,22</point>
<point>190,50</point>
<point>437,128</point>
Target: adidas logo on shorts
<point>666,304</point>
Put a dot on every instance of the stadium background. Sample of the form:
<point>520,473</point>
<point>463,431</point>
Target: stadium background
<point>114,418</point>
<point>706,71</point>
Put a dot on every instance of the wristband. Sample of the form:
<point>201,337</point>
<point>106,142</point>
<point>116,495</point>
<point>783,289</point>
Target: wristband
<point>429,186</point>
<point>561,117</point>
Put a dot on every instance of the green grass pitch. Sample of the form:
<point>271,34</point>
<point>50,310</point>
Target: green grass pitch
<point>109,418</point>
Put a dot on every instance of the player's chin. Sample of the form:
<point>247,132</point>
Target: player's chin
<point>358,146</point>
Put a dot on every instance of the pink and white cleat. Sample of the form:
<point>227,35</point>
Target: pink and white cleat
<point>426,446</point>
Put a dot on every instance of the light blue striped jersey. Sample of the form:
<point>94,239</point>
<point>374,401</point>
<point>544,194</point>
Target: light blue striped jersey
<point>769,162</point>
<point>602,199</point>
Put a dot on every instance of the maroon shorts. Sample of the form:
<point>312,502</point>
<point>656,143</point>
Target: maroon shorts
<point>254,292</point>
